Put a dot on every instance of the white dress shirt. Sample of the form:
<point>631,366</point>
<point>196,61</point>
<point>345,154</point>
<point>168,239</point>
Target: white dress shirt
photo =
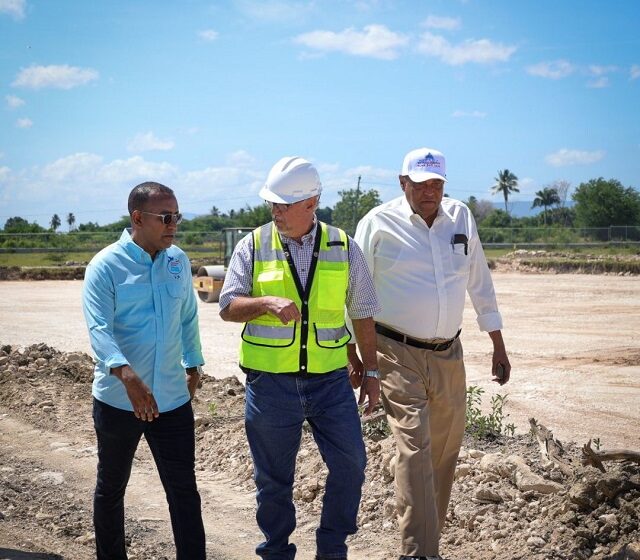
<point>420,275</point>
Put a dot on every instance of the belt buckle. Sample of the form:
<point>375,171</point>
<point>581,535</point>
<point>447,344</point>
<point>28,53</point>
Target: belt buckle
<point>436,347</point>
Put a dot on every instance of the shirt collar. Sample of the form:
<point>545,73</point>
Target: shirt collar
<point>307,239</point>
<point>133,249</point>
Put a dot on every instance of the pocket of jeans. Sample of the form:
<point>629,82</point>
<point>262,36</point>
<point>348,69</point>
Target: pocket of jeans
<point>254,376</point>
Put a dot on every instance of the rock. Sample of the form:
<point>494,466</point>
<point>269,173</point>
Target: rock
<point>476,454</point>
<point>584,495</point>
<point>486,494</point>
<point>42,404</point>
<point>536,542</point>
<point>85,539</point>
<point>462,470</point>
<point>4,360</point>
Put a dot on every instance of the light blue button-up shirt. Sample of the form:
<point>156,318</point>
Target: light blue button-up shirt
<point>143,313</point>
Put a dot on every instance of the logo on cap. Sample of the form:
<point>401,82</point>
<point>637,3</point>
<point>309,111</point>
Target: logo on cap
<point>427,162</point>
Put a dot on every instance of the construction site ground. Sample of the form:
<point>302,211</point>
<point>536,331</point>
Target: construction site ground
<point>573,345</point>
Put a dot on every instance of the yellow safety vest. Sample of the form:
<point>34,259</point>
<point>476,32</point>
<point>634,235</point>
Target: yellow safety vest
<point>316,344</point>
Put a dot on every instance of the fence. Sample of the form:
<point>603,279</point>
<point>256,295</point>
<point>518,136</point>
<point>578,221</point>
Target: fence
<point>212,241</point>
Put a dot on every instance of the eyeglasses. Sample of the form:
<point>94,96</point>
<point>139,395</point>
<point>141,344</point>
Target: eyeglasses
<point>166,218</point>
<point>282,206</point>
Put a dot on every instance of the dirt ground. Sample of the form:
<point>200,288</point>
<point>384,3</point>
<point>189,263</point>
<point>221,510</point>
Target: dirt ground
<point>576,368</point>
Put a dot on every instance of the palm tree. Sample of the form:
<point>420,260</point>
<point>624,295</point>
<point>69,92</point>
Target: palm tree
<point>506,183</point>
<point>545,198</point>
<point>71,219</point>
<point>55,222</point>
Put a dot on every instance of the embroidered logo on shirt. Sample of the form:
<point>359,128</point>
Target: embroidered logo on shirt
<point>174,266</point>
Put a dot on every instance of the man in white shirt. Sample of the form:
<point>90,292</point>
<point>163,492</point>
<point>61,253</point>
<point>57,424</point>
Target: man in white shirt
<point>424,253</point>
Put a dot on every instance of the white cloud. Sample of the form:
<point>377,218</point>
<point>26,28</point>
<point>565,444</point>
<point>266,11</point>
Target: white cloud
<point>598,83</point>
<point>635,72</point>
<point>474,114</point>
<point>147,142</point>
<point>13,101</point>
<point>375,41</point>
<point>24,123</point>
<point>276,11</point>
<point>437,22</point>
<point>565,157</point>
<point>481,51</point>
<point>596,70</point>
<point>4,173</point>
<point>240,158</point>
<point>208,35</point>
<point>79,166</point>
<point>14,8</point>
<point>54,76</point>
<point>552,70</point>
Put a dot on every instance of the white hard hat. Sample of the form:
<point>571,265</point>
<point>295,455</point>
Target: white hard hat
<point>291,180</point>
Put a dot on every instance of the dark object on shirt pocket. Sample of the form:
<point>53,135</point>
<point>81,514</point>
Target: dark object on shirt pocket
<point>335,243</point>
<point>461,239</point>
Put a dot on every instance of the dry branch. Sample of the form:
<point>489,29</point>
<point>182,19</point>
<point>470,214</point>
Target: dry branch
<point>550,448</point>
<point>595,458</point>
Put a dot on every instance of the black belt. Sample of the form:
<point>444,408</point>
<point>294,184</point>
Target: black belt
<point>395,335</point>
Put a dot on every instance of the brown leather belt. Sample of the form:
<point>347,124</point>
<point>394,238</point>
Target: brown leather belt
<point>395,335</point>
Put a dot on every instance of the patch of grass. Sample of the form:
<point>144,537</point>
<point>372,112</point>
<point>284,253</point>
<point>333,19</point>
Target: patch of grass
<point>486,426</point>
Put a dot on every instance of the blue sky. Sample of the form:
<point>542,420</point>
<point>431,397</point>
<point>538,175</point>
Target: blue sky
<point>96,97</point>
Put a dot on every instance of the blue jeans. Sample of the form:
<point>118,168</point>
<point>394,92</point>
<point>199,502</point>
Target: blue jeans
<point>172,443</point>
<point>276,407</point>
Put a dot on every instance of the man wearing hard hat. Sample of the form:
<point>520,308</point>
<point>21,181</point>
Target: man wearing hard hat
<point>290,281</point>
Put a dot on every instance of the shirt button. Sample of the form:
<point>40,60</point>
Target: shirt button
<point>304,345</point>
<point>304,322</point>
<point>306,302</point>
<point>303,367</point>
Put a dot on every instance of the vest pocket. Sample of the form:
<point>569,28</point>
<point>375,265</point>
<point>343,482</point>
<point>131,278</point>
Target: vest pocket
<point>332,284</point>
<point>331,335</point>
<point>267,333</point>
<point>270,283</point>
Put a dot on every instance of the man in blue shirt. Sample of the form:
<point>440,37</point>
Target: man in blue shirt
<point>142,317</point>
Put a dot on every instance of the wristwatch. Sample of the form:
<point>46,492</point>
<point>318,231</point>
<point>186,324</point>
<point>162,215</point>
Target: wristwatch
<point>372,373</point>
<point>194,369</point>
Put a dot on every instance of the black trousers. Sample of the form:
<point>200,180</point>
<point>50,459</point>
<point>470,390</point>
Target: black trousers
<point>171,439</point>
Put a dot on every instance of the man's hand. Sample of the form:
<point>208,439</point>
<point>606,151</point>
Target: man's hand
<point>282,308</point>
<point>193,381</point>
<point>355,367</point>
<point>144,404</point>
<point>500,366</point>
<point>371,389</point>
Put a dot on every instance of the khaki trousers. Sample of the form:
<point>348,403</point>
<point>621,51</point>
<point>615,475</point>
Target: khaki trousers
<point>424,395</point>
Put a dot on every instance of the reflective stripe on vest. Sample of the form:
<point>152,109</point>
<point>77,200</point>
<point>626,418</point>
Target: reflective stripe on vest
<point>319,344</point>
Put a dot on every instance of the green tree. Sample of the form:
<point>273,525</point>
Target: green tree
<point>20,225</point>
<point>545,198</point>
<point>601,203</point>
<point>352,206</point>
<point>71,219</point>
<point>506,183</point>
<point>325,214</point>
<point>55,222</point>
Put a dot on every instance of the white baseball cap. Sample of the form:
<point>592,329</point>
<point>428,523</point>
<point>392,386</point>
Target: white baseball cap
<point>424,164</point>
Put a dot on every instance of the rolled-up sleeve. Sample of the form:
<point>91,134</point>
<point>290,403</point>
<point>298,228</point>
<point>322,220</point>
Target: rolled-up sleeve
<point>480,287</point>
<point>362,301</point>
<point>98,305</point>
<point>238,280</point>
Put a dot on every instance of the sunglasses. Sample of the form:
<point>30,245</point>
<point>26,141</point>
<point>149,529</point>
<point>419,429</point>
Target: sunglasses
<point>166,218</point>
<point>282,206</point>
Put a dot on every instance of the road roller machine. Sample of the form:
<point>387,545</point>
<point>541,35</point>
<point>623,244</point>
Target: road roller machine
<point>208,282</point>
